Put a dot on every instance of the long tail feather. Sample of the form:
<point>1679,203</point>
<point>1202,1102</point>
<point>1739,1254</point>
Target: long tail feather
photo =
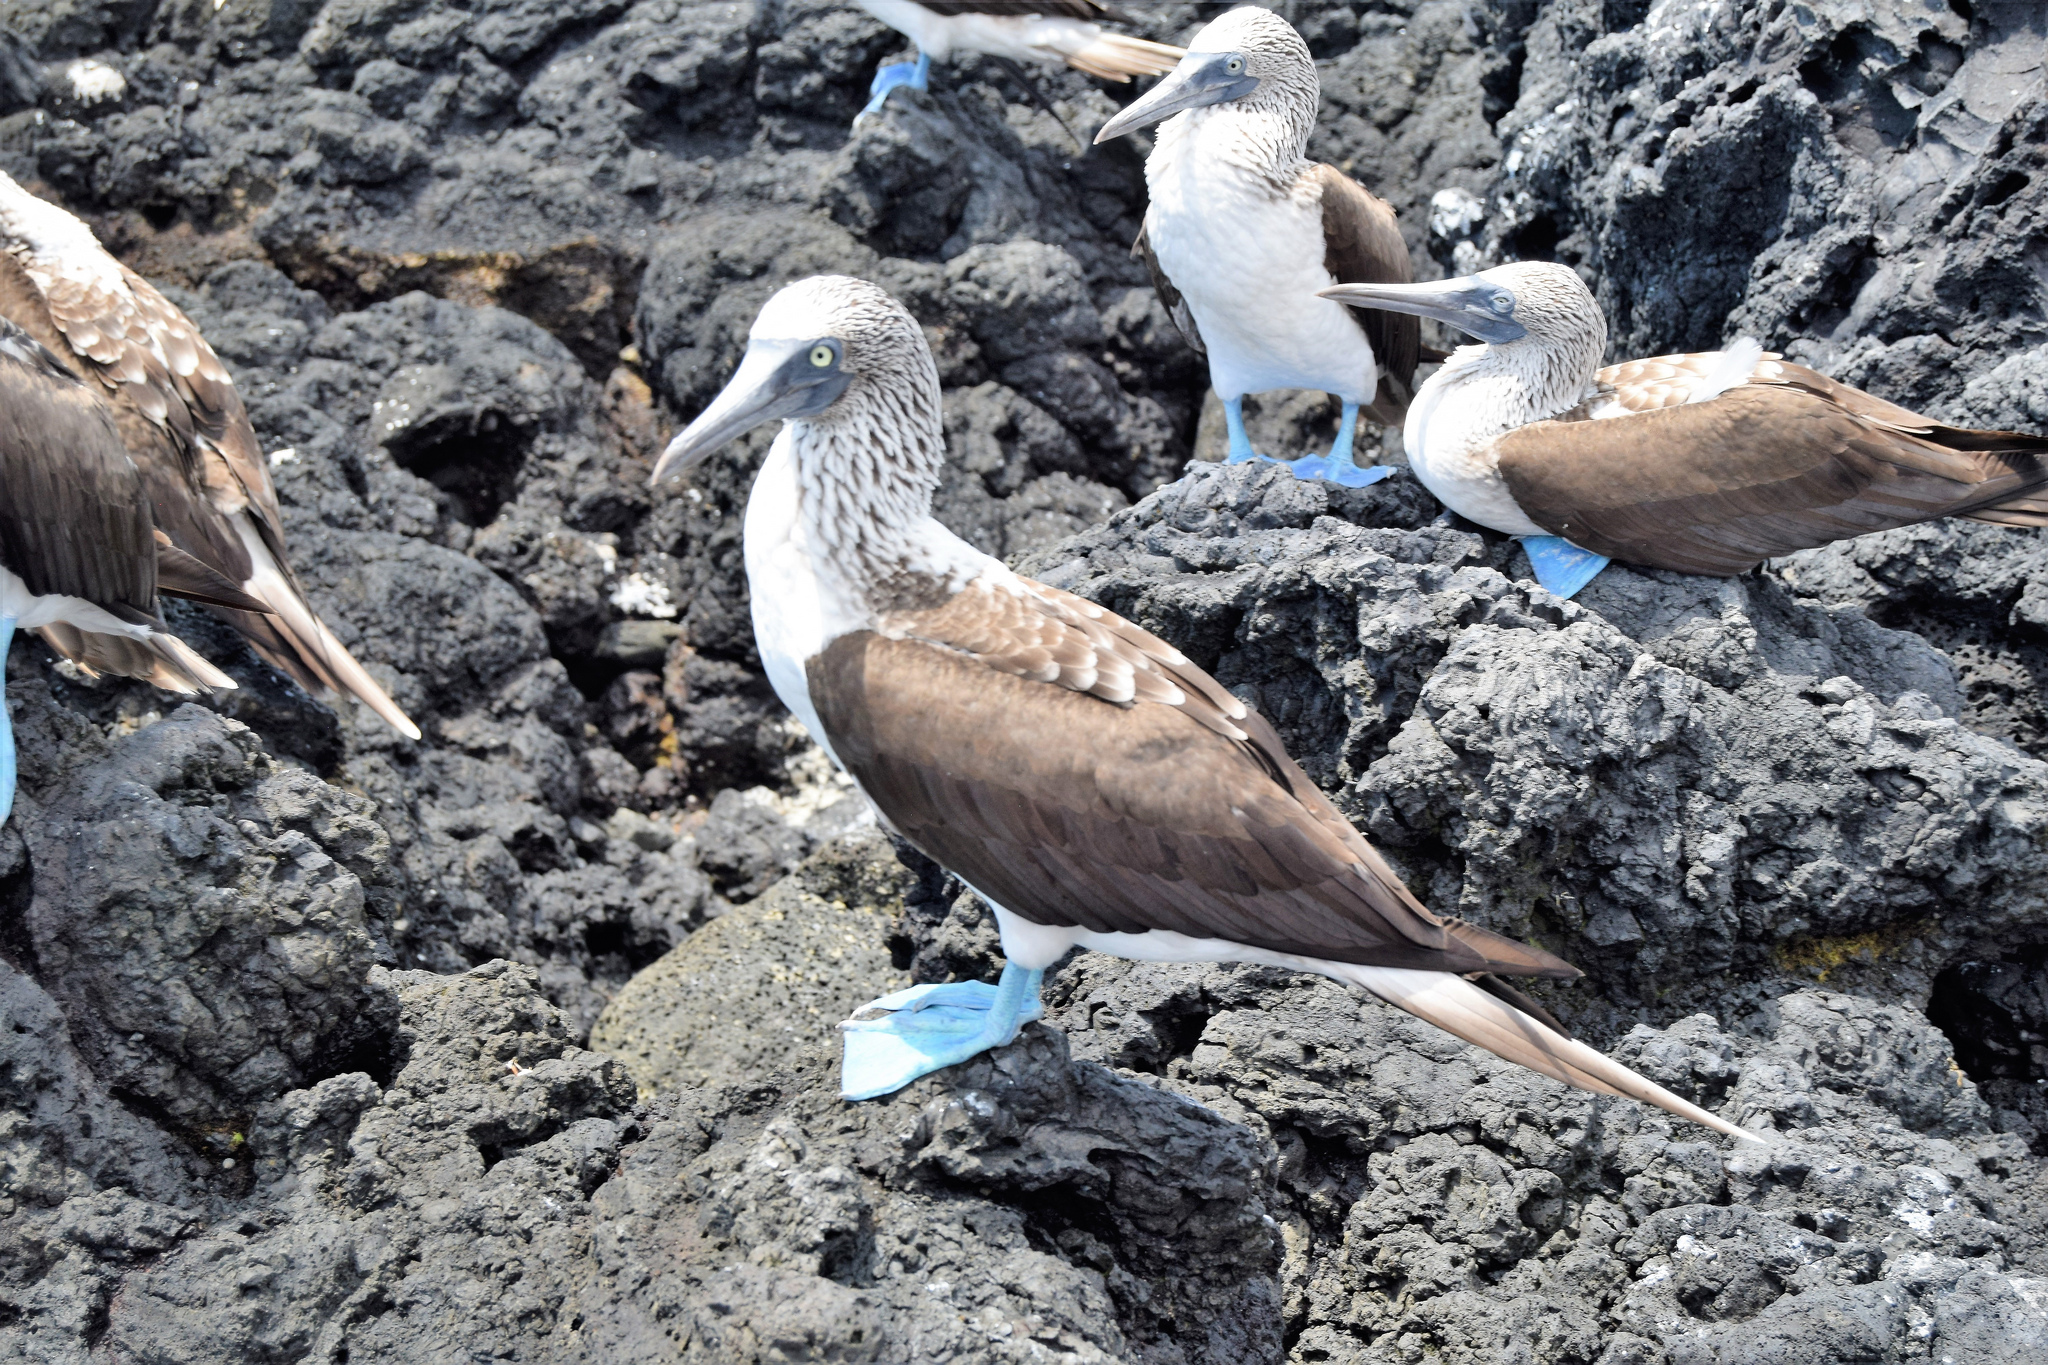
<point>1114,57</point>
<point>1458,1007</point>
<point>294,627</point>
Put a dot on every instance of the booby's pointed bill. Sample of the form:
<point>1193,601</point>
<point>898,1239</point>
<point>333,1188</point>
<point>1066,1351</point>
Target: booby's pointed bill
<point>1475,306</point>
<point>1202,78</point>
<point>778,378</point>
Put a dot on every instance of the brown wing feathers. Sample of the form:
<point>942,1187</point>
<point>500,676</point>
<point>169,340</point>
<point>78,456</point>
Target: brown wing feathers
<point>1788,461</point>
<point>209,486</point>
<point>1362,244</point>
<point>1182,814</point>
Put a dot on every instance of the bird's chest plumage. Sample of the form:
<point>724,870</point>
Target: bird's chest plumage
<point>796,610</point>
<point>1450,437</point>
<point>1248,261</point>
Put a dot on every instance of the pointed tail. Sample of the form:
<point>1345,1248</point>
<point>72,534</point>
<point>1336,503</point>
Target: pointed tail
<point>298,641</point>
<point>1111,56</point>
<point>1458,1007</point>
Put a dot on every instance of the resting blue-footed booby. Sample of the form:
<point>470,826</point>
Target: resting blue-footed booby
<point>186,430</point>
<point>1094,785</point>
<point>1707,463</point>
<point>81,560</point>
<point>1244,230</point>
<point>1011,31</point>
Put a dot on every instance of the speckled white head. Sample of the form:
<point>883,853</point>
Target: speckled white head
<point>1247,64</point>
<point>849,366</point>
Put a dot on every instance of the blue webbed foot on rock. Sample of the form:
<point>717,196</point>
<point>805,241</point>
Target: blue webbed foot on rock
<point>1561,566</point>
<point>1335,467</point>
<point>892,1041</point>
<point>895,76</point>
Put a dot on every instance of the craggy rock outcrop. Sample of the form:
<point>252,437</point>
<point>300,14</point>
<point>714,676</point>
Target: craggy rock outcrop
<point>291,1069</point>
<point>1696,787</point>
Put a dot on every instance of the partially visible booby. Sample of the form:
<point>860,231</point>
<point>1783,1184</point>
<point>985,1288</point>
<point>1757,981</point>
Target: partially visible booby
<point>1708,463</point>
<point>1012,31</point>
<point>1093,784</point>
<point>81,559</point>
<point>1244,231</point>
<point>185,427</point>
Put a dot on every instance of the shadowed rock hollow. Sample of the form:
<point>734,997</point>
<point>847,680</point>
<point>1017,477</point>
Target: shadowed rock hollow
<point>295,1066</point>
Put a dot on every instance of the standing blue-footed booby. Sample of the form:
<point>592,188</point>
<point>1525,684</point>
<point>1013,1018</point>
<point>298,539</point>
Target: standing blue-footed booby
<point>81,560</point>
<point>1244,231</point>
<point>186,430</point>
<point>1707,463</point>
<point>1093,784</point>
<point>1012,31</point>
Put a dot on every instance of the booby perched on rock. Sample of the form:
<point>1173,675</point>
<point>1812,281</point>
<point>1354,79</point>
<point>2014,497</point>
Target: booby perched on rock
<point>1011,31</point>
<point>1244,230</point>
<point>1095,786</point>
<point>1707,463</point>
<point>81,559</point>
<point>185,428</point>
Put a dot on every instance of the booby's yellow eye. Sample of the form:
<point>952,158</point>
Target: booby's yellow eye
<point>1503,303</point>
<point>821,356</point>
<point>1234,65</point>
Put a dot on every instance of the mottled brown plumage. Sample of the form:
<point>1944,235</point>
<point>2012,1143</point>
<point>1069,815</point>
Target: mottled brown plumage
<point>185,428</point>
<point>75,523</point>
<point>1081,772</point>
<point>1785,461</point>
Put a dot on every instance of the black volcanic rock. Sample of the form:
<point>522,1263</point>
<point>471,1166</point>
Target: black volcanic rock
<point>290,1068</point>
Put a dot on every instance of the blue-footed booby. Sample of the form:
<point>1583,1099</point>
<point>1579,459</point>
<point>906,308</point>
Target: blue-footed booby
<point>186,430</point>
<point>1012,31</point>
<point>1244,230</point>
<point>1707,463</point>
<point>81,559</point>
<point>1095,786</point>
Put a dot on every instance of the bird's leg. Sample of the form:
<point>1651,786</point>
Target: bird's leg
<point>894,76</point>
<point>1240,444</point>
<point>1561,566</point>
<point>928,1028</point>
<point>6,725</point>
<point>1336,467</point>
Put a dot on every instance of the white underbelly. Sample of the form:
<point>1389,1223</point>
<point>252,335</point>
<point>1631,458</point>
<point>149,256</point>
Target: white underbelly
<point>1461,473</point>
<point>1249,271</point>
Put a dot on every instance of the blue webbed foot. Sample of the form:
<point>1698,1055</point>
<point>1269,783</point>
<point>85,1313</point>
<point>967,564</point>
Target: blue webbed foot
<point>1335,467</point>
<point>928,1028</point>
<point>895,76</point>
<point>1561,566</point>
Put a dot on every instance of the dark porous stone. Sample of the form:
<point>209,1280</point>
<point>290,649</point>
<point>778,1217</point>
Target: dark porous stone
<point>291,1008</point>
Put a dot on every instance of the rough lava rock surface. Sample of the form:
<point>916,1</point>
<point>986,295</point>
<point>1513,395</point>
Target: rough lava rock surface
<point>292,1065</point>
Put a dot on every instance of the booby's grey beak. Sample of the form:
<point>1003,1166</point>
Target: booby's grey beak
<point>777,378</point>
<point>1474,305</point>
<point>1202,78</point>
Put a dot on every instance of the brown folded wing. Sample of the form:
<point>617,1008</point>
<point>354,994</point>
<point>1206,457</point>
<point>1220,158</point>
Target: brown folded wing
<point>187,432</point>
<point>73,517</point>
<point>1717,487</point>
<point>1362,244</point>
<point>1082,773</point>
